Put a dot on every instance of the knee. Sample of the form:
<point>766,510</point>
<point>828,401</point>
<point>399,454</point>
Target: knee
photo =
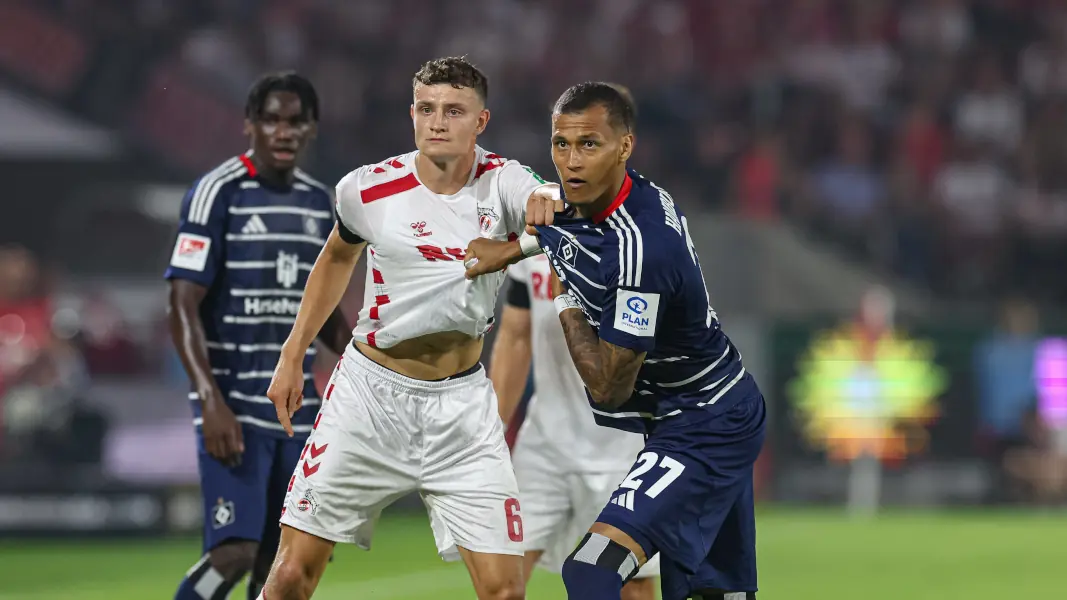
<point>511,592</point>
<point>235,558</point>
<point>503,590</point>
<point>640,589</point>
<point>289,580</point>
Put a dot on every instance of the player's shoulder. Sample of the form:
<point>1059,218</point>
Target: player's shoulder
<point>651,211</point>
<point>493,164</point>
<point>375,180</point>
<point>307,183</point>
<point>216,186</point>
<point>649,226</point>
<point>226,175</point>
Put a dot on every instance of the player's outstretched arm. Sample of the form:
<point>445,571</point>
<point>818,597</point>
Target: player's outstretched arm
<point>325,286</point>
<point>509,366</point>
<point>608,371</point>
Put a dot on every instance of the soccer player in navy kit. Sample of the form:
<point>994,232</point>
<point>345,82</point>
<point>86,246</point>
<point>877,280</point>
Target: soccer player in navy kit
<point>648,346</point>
<point>250,231</point>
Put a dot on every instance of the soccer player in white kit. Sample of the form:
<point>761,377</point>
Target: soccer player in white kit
<point>565,475</point>
<point>409,408</point>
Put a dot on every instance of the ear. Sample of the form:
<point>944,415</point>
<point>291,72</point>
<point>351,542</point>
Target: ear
<point>627,147</point>
<point>249,128</point>
<point>483,121</point>
<point>411,111</point>
<point>313,130</point>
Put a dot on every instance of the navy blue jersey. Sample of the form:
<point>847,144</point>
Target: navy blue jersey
<point>635,272</point>
<point>252,246</point>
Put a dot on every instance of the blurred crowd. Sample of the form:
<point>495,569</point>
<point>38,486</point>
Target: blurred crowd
<point>47,351</point>
<point>927,136</point>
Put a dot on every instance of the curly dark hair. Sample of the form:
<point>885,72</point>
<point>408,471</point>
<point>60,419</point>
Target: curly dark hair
<point>456,71</point>
<point>287,81</point>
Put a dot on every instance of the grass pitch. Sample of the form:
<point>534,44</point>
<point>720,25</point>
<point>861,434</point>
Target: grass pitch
<point>804,555</point>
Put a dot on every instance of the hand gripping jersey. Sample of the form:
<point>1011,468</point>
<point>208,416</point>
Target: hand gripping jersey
<point>252,246</point>
<point>635,272</point>
<point>417,239</point>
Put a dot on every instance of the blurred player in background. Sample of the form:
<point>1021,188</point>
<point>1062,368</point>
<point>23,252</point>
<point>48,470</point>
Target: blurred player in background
<point>564,472</point>
<point>642,334</point>
<point>409,407</point>
<point>249,232</point>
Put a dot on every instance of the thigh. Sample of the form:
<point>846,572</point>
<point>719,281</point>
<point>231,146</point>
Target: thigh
<point>545,495</point>
<point>234,497</point>
<point>731,562</point>
<point>468,483</point>
<point>358,459</point>
<point>685,485</point>
<point>591,495</point>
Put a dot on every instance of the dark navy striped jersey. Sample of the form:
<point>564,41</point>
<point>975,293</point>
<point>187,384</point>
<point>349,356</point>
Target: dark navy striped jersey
<point>252,246</point>
<point>635,273</point>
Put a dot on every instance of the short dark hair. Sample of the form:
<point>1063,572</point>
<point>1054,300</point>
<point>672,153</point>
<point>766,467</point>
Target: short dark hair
<point>287,81</point>
<point>456,71</point>
<point>622,110</point>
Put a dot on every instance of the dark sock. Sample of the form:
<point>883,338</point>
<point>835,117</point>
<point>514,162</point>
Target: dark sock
<point>203,582</point>
<point>254,588</point>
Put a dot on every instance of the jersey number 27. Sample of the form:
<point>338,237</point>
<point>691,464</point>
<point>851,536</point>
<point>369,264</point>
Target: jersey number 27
<point>645,462</point>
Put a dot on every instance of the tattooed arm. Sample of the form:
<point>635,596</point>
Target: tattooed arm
<point>608,371</point>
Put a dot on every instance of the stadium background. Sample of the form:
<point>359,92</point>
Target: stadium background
<point>878,191</point>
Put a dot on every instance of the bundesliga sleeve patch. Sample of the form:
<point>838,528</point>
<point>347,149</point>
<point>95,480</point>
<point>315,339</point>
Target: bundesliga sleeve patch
<point>635,312</point>
<point>191,252</point>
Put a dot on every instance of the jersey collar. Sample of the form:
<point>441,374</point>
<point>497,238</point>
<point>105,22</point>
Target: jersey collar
<point>624,192</point>
<point>246,160</point>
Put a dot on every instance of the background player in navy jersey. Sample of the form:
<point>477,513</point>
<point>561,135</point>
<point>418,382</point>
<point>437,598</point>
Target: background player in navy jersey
<point>250,231</point>
<point>648,346</point>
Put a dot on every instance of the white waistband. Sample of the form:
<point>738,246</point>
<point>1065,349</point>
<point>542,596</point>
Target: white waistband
<point>358,360</point>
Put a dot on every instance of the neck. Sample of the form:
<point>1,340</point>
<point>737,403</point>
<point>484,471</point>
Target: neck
<point>444,176</point>
<point>275,177</point>
<point>588,211</point>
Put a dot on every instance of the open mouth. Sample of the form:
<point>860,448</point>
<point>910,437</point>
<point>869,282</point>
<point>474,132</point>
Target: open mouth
<point>575,182</point>
<point>283,153</point>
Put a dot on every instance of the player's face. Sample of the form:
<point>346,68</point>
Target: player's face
<point>589,153</point>
<point>447,120</point>
<point>281,132</point>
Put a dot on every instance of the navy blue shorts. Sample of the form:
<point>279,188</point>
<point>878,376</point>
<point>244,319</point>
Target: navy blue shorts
<point>689,498</point>
<point>245,502</point>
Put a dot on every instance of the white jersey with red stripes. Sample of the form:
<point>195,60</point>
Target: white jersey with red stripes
<point>417,238</point>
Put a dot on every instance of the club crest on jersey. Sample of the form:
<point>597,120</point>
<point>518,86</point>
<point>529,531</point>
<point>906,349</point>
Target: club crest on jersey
<point>222,514</point>
<point>311,226</point>
<point>567,251</point>
<point>288,269</point>
<point>486,217</point>
<point>420,229</point>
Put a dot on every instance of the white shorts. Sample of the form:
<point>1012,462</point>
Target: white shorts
<point>380,435</point>
<point>558,508</point>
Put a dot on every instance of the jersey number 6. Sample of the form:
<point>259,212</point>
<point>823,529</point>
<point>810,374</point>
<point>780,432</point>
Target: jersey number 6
<point>514,519</point>
<point>645,462</point>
